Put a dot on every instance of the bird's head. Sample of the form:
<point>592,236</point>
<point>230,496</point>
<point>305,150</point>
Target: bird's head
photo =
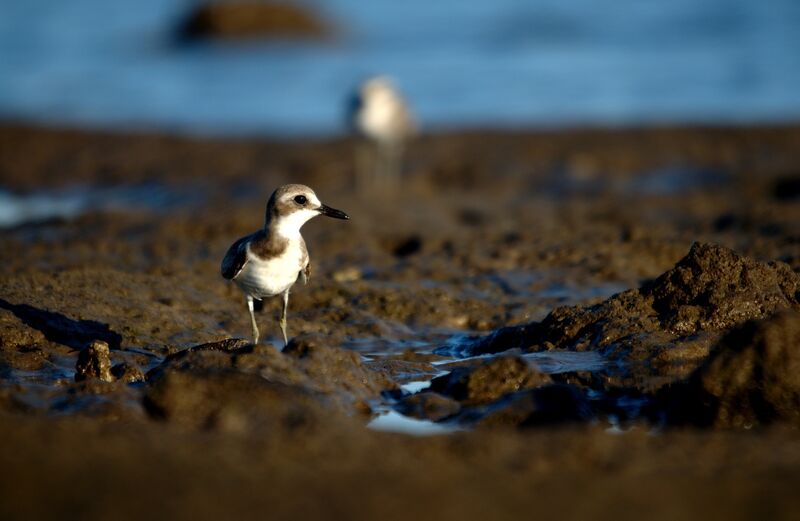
<point>291,206</point>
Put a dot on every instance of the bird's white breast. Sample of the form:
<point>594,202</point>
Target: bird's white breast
<point>269,277</point>
<point>381,116</point>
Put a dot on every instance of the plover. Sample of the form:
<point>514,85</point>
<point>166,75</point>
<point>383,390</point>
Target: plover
<point>268,262</point>
<point>378,113</point>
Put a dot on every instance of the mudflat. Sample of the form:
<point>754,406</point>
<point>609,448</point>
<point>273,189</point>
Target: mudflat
<point>573,323</point>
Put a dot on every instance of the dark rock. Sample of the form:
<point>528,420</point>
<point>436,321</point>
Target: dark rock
<point>407,247</point>
<point>94,361</point>
<point>228,345</point>
<point>428,406</point>
<point>549,405</point>
<point>787,188</point>
<point>751,378</point>
<point>127,373</point>
<point>252,19</point>
<point>726,222</point>
<point>302,346</point>
<point>489,381</point>
<point>210,355</point>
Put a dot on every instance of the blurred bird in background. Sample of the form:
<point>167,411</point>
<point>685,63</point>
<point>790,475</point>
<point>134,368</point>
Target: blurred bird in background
<point>383,123</point>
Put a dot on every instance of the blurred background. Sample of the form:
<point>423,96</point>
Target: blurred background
<point>482,63</point>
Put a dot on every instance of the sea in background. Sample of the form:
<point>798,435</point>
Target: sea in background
<point>115,64</point>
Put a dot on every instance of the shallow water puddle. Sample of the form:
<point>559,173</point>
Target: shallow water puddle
<point>549,362</point>
<point>554,362</point>
<point>16,209</point>
<point>37,388</point>
<point>417,385</point>
<point>675,180</point>
<point>392,421</point>
<point>51,387</point>
<point>523,287</point>
<point>571,294</point>
<point>422,342</point>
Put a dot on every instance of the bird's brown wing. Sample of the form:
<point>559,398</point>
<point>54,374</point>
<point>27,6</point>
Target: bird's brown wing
<point>305,272</point>
<point>235,259</point>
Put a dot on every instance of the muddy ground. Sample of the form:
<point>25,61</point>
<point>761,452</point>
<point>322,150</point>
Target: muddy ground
<point>609,322</point>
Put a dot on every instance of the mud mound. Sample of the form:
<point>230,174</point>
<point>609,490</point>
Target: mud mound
<point>715,288</point>
<point>20,346</point>
<point>751,378</point>
<point>489,381</point>
<point>231,401</point>
<point>709,290</point>
<point>333,370</point>
<point>236,386</point>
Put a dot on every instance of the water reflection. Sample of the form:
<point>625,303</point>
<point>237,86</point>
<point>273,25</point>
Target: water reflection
<point>17,209</point>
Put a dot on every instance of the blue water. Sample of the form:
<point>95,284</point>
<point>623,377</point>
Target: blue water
<point>17,209</point>
<point>113,63</point>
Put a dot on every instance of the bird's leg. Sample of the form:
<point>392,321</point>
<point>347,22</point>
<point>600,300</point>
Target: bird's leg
<point>283,317</point>
<point>252,319</point>
<point>382,168</point>
<point>394,163</point>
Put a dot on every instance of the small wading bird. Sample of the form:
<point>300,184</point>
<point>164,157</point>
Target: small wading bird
<point>268,262</point>
<point>378,114</point>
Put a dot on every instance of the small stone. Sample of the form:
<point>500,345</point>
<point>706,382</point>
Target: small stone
<point>489,381</point>
<point>362,407</point>
<point>127,373</point>
<point>428,406</point>
<point>94,361</point>
<point>348,274</point>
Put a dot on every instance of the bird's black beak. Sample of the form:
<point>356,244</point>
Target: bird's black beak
<point>333,212</point>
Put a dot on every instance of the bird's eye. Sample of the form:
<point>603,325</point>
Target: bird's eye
<point>300,199</point>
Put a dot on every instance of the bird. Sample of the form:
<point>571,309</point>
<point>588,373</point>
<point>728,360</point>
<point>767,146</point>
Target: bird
<point>379,114</point>
<point>268,262</point>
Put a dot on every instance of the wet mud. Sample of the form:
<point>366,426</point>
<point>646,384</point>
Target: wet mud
<point>666,326</point>
<point>573,323</point>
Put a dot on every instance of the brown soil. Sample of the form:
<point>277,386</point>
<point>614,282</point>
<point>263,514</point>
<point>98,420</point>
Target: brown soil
<point>667,325</point>
<point>513,242</point>
<point>751,378</point>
